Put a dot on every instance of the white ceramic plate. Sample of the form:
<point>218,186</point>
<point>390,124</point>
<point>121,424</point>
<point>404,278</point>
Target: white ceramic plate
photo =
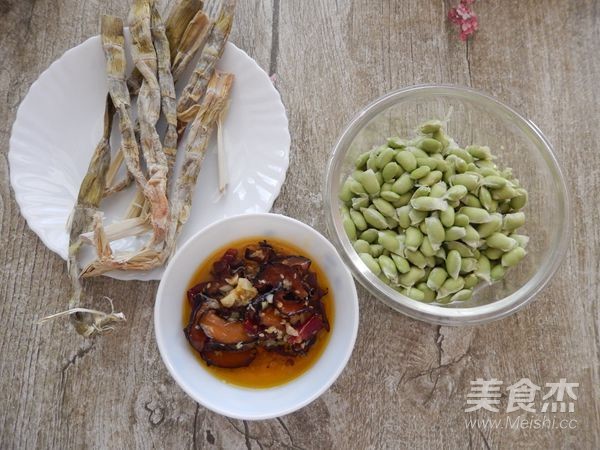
<point>239,402</point>
<point>60,121</point>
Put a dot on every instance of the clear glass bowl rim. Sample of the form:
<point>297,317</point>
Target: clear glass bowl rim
<point>434,313</point>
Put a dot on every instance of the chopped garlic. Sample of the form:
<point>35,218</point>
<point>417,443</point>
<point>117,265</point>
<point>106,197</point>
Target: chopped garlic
<point>240,295</point>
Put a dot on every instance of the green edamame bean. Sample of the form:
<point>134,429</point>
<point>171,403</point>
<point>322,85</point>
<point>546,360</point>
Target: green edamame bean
<point>513,257</point>
<point>407,160</point>
<point>471,200</point>
<point>447,217</point>
<point>358,219</point>
<point>370,182</point>
<point>360,202</point>
<point>390,171</point>
<point>431,126</point>
<point>462,295</point>
<point>429,162</point>
<point>462,154</point>
<point>520,200</point>
<point>369,235</point>
<point>494,224</point>
<point>414,238</point>
<point>412,277</point>
<point>483,268</point>
<point>385,207</point>
<point>390,196</point>
<point>463,249</point>
<point>416,217</point>
<point>438,190</point>
<point>345,194</point>
<point>422,191</point>
<point>513,221</point>
<point>361,246</point>
<point>370,262</point>
<point>403,184</point>
<point>416,258</point>
<point>479,152</point>
<point>471,281</point>
<point>396,142</point>
<point>494,181</point>
<point>501,242</point>
<point>385,157</point>
<point>521,239</point>
<point>428,294</point>
<point>468,265</point>
<point>471,182</point>
<point>461,220</point>
<point>475,215</point>
<point>403,200</point>
<point>430,145</point>
<point>471,237</point>
<point>361,161</point>
<point>450,286</point>
<point>435,232</point>
<point>417,152</point>
<point>455,233</point>
<point>374,218</point>
<point>436,278</point>
<point>504,193</point>
<point>419,172</point>
<point>388,268</point>
<point>414,293</point>
<point>376,250</point>
<point>431,178</point>
<point>426,247</point>
<point>389,241</point>
<point>485,198</point>
<point>456,192</point>
<point>402,263</point>
<point>349,227</point>
<point>403,214</point>
<point>453,261</point>
<point>429,204</point>
<point>355,187</point>
<point>497,272</point>
<point>493,253</point>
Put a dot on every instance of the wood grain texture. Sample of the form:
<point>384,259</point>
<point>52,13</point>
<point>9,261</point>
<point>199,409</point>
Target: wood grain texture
<point>406,382</point>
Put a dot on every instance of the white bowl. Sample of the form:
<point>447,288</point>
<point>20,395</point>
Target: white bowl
<point>234,401</point>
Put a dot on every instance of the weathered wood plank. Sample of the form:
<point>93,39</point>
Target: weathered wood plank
<point>406,382</point>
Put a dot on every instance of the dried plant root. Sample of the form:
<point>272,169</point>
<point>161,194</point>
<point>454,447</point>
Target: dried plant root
<point>118,187</point>
<point>136,226</point>
<point>221,156</point>
<point>188,104</point>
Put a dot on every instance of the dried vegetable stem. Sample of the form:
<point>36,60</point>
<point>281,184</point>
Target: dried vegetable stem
<point>194,38</point>
<point>177,22</point>
<point>182,13</point>
<point>136,205</point>
<point>118,187</point>
<point>113,169</point>
<point>118,230</point>
<point>209,110</point>
<point>221,156</point>
<point>113,43</point>
<point>145,60</point>
<point>89,322</point>
<point>188,104</point>
<point>167,88</point>
<point>148,258</point>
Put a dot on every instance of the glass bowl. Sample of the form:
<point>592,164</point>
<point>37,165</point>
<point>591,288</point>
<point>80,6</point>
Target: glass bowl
<point>474,118</point>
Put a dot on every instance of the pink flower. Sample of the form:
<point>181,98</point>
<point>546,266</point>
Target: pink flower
<point>465,18</point>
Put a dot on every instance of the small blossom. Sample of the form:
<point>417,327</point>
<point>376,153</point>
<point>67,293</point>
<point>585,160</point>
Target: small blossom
<point>463,16</point>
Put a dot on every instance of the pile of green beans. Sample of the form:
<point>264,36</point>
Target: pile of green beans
<point>432,219</point>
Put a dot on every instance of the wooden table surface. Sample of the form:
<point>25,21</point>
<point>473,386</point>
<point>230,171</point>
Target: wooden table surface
<point>407,381</point>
